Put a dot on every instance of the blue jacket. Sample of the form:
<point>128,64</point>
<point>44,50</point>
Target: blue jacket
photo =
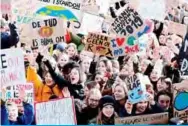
<point>7,40</point>
<point>25,119</point>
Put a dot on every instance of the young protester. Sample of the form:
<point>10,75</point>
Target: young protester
<point>91,108</point>
<point>164,99</point>
<point>148,106</point>
<point>164,84</point>
<point>10,114</point>
<point>120,95</point>
<point>73,83</point>
<point>62,60</point>
<point>71,50</point>
<point>107,113</point>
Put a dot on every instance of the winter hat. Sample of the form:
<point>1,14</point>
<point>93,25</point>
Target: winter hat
<point>106,100</point>
<point>61,46</point>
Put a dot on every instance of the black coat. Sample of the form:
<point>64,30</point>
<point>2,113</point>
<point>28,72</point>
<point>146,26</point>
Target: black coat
<point>77,91</point>
<point>7,40</point>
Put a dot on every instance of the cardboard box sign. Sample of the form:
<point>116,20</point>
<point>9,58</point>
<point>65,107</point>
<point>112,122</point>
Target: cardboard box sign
<point>160,118</point>
<point>136,88</point>
<point>180,102</point>
<point>99,43</point>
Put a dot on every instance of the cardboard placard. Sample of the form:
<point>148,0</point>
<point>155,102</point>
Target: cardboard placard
<point>12,67</point>
<point>12,93</point>
<point>136,88</point>
<point>180,102</point>
<point>56,112</point>
<point>160,118</point>
<point>99,43</point>
<point>47,32</point>
<point>152,9</point>
<point>91,23</point>
<point>128,26</point>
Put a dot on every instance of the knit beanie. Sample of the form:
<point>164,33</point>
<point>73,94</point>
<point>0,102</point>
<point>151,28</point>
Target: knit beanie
<point>106,100</point>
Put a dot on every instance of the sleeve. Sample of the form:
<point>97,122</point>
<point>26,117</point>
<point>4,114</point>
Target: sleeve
<point>59,80</point>
<point>4,116</point>
<point>39,62</point>
<point>28,116</point>
<point>33,77</point>
<point>156,108</point>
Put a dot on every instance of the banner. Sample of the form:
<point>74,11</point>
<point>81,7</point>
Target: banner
<point>56,112</point>
<point>12,67</point>
<point>99,43</point>
<point>5,7</point>
<point>136,88</point>
<point>13,93</point>
<point>91,23</point>
<point>152,9</point>
<point>181,94</point>
<point>183,57</point>
<point>128,26</point>
<point>160,118</point>
<point>47,32</point>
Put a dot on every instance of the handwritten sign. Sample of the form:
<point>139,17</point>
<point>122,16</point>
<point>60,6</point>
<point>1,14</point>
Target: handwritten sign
<point>13,93</point>
<point>12,67</point>
<point>152,9</point>
<point>181,94</point>
<point>91,23</point>
<point>161,118</point>
<point>128,26</point>
<point>98,43</point>
<point>136,88</point>
<point>183,57</point>
<point>57,112</point>
<point>47,32</point>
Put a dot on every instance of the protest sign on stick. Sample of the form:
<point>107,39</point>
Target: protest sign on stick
<point>12,67</point>
<point>160,118</point>
<point>180,102</point>
<point>99,43</point>
<point>136,88</point>
<point>5,6</point>
<point>56,112</point>
<point>47,32</point>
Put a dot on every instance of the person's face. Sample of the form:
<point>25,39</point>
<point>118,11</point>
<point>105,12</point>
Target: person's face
<point>154,75</point>
<point>12,113</point>
<point>63,60</point>
<point>86,91</point>
<point>93,100</point>
<point>115,67</point>
<point>161,85</point>
<point>124,70</point>
<point>144,66</point>
<point>21,108</point>
<point>164,101</point>
<point>74,76</point>
<point>162,39</point>
<point>83,55</point>
<point>119,93</point>
<point>98,78</point>
<point>102,67</point>
<point>48,79</point>
<point>86,65</point>
<point>108,111</point>
<point>141,106</point>
<point>71,51</point>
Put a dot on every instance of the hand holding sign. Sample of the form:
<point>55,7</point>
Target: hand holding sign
<point>150,98</point>
<point>128,107</point>
<point>66,92</point>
